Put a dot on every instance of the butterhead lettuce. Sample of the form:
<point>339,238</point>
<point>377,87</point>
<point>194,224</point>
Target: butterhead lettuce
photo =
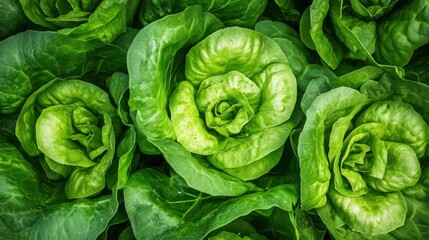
<point>73,132</point>
<point>227,97</point>
<point>360,150</point>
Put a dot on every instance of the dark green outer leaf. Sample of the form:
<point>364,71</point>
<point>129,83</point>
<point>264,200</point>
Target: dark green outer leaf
<point>304,30</point>
<point>12,18</point>
<point>230,12</point>
<point>273,223</point>
<point>7,127</point>
<point>414,93</point>
<point>31,59</point>
<point>402,32</point>
<point>309,226</point>
<point>127,234</point>
<point>356,42</point>
<point>316,86</point>
<point>125,152</point>
<point>153,10</point>
<point>417,69</point>
<point>275,29</point>
<point>359,42</point>
<point>116,223</point>
<point>117,85</point>
<point>118,89</point>
<point>283,10</point>
<point>372,9</point>
<point>107,21</point>
<point>33,209</point>
<point>237,229</point>
<point>313,71</point>
<point>164,208</point>
<point>152,60</point>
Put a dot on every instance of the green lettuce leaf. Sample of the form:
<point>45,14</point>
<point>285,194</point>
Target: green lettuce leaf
<point>12,17</point>
<point>32,206</point>
<point>165,207</point>
<point>33,58</point>
<point>85,19</point>
<point>231,13</point>
<point>395,44</point>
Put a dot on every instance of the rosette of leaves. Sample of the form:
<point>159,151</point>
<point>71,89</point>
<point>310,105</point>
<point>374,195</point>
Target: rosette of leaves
<point>363,153</point>
<point>71,125</point>
<point>85,19</point>
<point>220,97</point>
<point>375,32</point>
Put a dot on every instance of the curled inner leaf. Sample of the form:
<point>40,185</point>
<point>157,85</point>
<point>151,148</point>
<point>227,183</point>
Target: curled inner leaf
<point>229,102</point>
<point>403,122</point>
<point>236,101</point>
<point>53,130</point>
